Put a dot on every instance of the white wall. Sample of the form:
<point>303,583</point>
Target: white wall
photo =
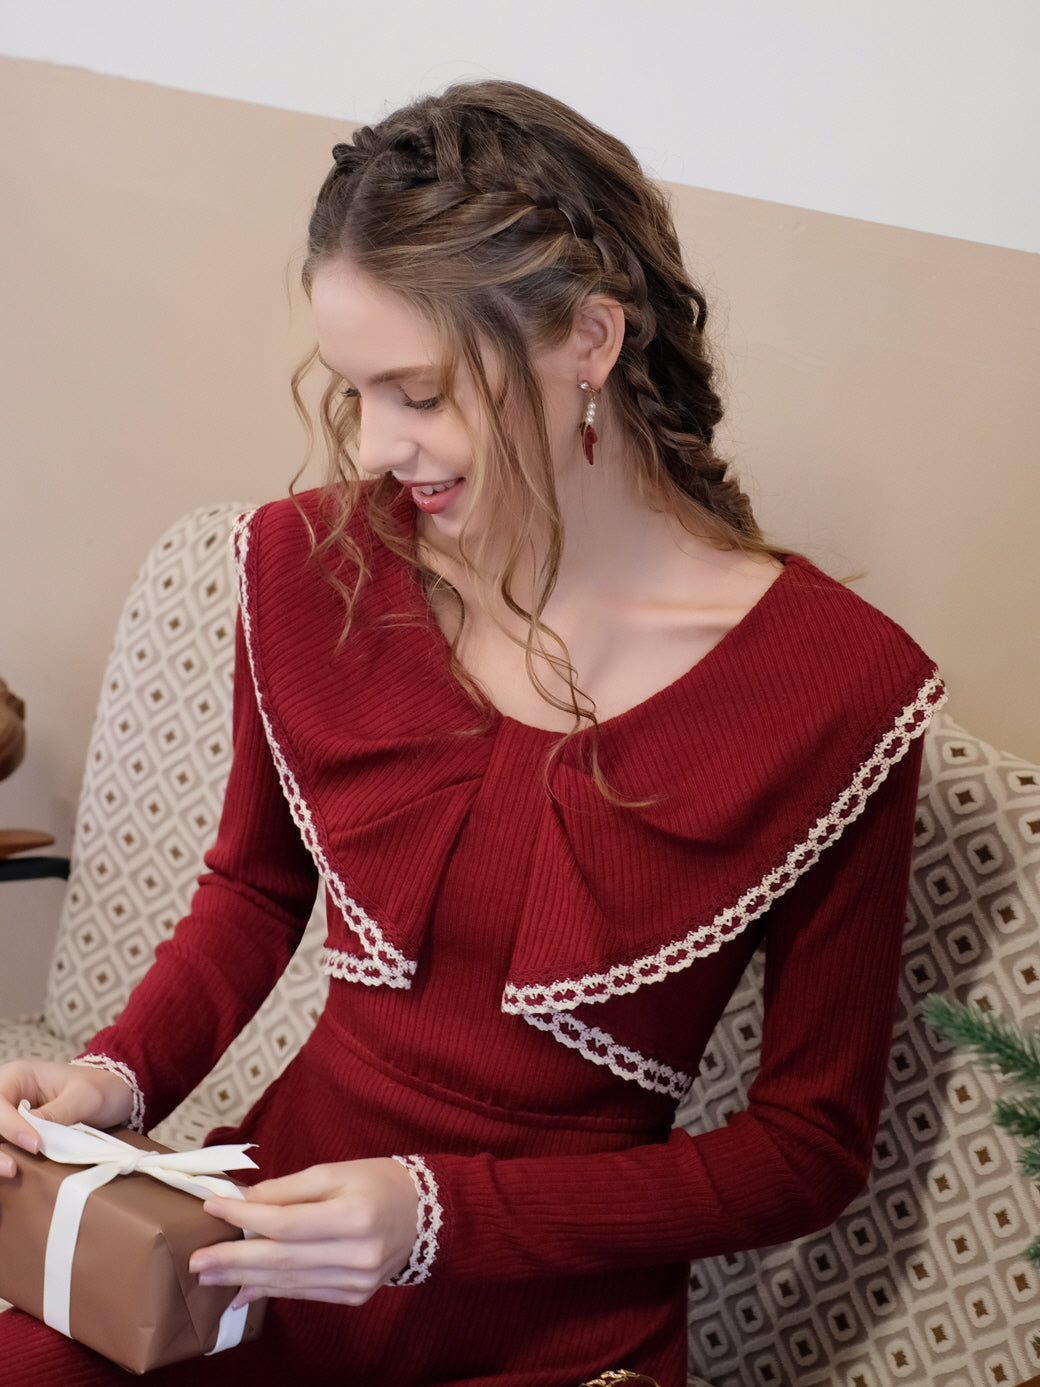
<point>919,113</point>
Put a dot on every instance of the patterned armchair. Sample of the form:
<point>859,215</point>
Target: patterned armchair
<point>921,1281</point>
<point>148,810</point>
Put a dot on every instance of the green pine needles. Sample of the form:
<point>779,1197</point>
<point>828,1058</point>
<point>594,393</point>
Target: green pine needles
<point>1000,1045</point>
<point>1003,1047</point>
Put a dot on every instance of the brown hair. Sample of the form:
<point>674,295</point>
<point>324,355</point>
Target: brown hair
<point>495,211</point>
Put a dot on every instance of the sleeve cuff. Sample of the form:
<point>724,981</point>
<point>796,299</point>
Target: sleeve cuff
<point>428,1223</point>
<point>128,1076</point>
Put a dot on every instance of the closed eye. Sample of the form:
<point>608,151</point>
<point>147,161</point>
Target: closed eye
<point>350,393</point>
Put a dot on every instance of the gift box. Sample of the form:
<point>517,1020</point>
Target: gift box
<point>125,1289</point>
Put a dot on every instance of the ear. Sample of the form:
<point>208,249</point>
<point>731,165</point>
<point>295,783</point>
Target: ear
<point>596,337</point>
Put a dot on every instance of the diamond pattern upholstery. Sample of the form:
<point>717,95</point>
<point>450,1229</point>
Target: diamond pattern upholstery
<point>923,1278</point>
<point>156,767</point>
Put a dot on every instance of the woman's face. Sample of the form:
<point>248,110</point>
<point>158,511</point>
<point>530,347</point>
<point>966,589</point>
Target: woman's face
<point>388,354</point>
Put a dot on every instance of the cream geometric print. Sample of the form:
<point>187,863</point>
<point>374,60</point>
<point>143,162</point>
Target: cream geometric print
<point>157,764</point>
<point>922,1280</point>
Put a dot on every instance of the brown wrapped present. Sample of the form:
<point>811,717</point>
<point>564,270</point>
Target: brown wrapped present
<point>120,1285</point>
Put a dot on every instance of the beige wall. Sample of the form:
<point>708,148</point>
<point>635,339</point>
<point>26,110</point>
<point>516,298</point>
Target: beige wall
<point>882,388</point>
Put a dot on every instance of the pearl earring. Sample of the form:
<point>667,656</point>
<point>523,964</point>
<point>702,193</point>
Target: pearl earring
<point>589,437</point>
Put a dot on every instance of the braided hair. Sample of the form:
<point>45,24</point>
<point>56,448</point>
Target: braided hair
<point>496,210</point>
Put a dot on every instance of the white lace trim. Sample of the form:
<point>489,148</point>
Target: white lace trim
<point>601,1048</point>
<point>128,1076</point>
<point>337,963</point>
<point>428,1223</point>
<point>568,993</point>
<point>388,965</point>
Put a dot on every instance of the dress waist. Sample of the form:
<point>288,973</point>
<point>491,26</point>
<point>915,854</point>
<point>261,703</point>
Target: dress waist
<point>397,1107</point>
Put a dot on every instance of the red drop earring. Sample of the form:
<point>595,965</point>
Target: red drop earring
<point>589,437</point>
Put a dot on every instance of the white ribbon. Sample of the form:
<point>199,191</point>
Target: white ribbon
<point>106,1157</point>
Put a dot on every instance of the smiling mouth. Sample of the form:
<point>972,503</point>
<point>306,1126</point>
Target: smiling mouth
<point>434,488</point>
<point>434,497</point>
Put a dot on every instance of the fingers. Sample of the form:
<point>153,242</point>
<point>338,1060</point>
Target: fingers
<point>18,1081</point>
<point>336,1233</point>
<point>63,1093</point>
<point>345,1273</point>
<point>317,1182</point>
<point>82,1093</point>
<point>313,1222</point>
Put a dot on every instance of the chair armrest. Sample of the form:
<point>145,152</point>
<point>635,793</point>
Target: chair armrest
<point>14,840</point>
<point>26,868</point>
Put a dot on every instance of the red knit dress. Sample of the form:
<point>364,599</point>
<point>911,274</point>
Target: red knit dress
<point>522,983</point>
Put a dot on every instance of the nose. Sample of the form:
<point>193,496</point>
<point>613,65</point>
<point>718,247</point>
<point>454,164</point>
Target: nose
<point>383,445</point>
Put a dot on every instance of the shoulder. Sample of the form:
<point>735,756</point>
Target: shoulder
<point>293,582</point>
<point>831,689</point>
<point>295,525</point>
<point>820,632</point>
<point>288,540</point>
<point>813,685</point>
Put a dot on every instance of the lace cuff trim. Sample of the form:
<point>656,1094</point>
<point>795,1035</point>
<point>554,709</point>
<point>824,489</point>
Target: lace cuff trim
<point>128,1076</point>
<point>568,993</point>
<point>428,1223</point>
<point>386,964</point>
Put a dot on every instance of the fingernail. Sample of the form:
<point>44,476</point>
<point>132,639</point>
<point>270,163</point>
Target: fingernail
<point>28,1141</point>
<point>199,1265</point>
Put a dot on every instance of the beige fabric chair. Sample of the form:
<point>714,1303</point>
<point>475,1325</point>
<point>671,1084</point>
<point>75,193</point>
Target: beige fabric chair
<point>921,1281</point>
<point>156,766</point>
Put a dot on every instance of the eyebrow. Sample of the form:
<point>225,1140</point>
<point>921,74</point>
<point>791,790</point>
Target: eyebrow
<point>388,377</point>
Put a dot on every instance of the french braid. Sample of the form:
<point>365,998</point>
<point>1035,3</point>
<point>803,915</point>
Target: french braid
<point>496,211</point>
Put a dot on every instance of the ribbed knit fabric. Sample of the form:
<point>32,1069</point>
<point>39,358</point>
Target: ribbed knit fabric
<point>521,982</point>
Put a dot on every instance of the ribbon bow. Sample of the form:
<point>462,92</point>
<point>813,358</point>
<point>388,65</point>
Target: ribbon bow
<point>105,1157</point>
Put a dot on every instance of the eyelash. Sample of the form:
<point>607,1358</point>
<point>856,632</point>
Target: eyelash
<point>349,393</point>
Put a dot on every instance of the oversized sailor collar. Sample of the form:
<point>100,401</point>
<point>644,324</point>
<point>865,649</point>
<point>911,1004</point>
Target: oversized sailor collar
<point>753,763</point>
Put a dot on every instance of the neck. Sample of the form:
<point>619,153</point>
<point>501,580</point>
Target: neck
<point>616,547</point>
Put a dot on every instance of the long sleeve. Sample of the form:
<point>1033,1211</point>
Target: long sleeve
<point>784,1167</point>
<point>246,918</point>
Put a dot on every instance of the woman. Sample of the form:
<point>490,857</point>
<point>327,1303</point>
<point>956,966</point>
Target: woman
<point>565,742</point>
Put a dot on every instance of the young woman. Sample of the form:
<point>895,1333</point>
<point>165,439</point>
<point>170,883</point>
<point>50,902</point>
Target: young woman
<point>526,693</point>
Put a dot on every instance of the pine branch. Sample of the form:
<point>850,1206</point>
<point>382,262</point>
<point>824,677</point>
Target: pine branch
<point>1029,1160</point>
<point>999,1044</point>
<point>1019,1116</point>
<point>1006,1047</point>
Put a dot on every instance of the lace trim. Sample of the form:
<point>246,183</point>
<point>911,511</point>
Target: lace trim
<point>601,1048</point>
<point>337,963</point>
<point>566,994</point>
<point>428,1224</point>
<point>128,1076</point>
<point>387,964</point>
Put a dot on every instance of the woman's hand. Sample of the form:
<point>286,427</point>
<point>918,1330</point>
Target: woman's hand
<point>62,1093</point>
<point>333,1232</point>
